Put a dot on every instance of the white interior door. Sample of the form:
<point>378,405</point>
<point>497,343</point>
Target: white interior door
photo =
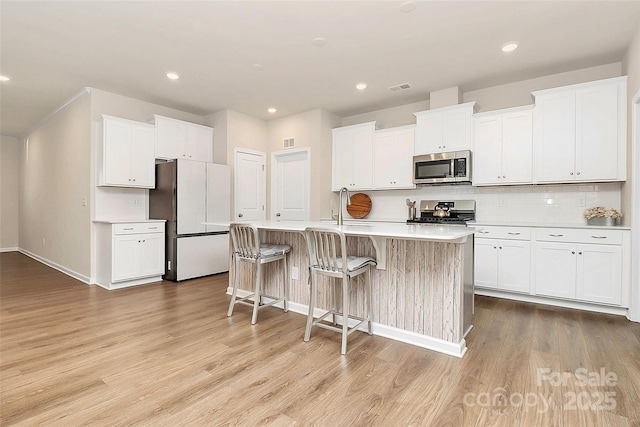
<point>249,185</point>
<point>290,185</point>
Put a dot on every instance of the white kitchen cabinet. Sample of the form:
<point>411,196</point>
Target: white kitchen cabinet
<point>444,129</point>
<point>130,253</point>
<point>177,139</point>
<point>502,147</point>
<point>352,157</point>
<point>568,266</point>
<point>393,158</point>
<point>503,259</point>
<point>580,132</point>
<point>125,153</point>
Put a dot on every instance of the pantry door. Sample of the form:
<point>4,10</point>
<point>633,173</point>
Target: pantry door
<point>249,185</point>
<point>290,188</point>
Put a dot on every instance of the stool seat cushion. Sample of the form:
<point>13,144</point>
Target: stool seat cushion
<point>269,249</point>
<point>354,262</point>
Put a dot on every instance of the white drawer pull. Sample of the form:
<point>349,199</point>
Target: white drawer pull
<point>514,234</point>
<point>153,228</point>
<point>483,232</point>
<point>128,228</point>
<point>556,235</point>
<point>599,237</point>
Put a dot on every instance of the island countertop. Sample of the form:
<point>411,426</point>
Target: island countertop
<point>449,234</point>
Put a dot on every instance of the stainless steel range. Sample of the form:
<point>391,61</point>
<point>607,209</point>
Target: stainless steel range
<point>445,212</point>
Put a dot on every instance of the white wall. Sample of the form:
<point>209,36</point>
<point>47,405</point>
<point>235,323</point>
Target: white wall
<point>9,193</point>
<point>389,117</point>
<point>631,67</point>
<point>55,175</point>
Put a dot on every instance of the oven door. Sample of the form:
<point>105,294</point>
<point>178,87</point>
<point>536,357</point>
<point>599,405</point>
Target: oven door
<point>432,169</point>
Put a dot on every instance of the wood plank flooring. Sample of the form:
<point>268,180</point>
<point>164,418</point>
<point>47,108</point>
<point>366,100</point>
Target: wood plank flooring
<point>167,355</point>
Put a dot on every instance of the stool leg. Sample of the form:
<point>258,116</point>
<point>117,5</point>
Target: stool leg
<point>367,290</point>
<point>346,281</point>
<point>258,294</point>
<point>312,304</point>
<point>286,284</point>
<point>235,287</point>
<point>334,297</point>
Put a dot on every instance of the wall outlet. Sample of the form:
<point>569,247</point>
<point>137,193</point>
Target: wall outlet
<point>84,201</point>
<point>294,273</point>
<point>43,242</point>
<point>581,201</point>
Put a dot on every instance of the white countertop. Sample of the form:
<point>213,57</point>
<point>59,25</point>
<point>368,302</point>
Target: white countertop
<point>543,225</point>
<point>127,221</point>
<point>451,234</point>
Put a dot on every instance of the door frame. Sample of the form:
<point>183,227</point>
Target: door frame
<point>634,307</point>
<point>263,190</point>
<point>274,158</point>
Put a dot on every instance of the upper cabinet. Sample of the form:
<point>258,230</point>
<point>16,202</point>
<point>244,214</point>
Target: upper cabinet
<point>580,132</point>
<point>177,139</point>
<point>393,158</point>
<point>502,147</point>
<point>444,129</point>
<point>125,153</point>
<point>352,157</point>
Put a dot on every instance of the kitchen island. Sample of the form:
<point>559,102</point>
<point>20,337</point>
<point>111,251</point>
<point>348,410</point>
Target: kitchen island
<point>422,289</point>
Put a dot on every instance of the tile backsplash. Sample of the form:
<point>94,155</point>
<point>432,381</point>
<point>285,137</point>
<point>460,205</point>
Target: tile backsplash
<point>554,204</point>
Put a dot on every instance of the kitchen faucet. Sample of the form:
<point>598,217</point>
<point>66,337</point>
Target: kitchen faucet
<point>342,190</point>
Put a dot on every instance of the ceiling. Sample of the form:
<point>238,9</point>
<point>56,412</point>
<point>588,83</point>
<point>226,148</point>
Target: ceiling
<point>52,49</point>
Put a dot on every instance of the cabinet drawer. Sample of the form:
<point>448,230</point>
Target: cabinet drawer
<point>138,227</point>
<point>580,235</point>
<point>510,233</point>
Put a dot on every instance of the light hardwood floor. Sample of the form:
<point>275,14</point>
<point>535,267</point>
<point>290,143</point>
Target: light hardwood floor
<point>166,354</point>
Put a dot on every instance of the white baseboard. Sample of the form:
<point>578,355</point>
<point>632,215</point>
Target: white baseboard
<point>396,334</point>
<point>9,249</point>
<point>58,267</point>
<point>130,283</point>
<point>620,311</point>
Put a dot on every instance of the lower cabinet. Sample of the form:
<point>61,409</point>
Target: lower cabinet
<point>503,264</point>
<point>566,264</point>
<point>130,253</point>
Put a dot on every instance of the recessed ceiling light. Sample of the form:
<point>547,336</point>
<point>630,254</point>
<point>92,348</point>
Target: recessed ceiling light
<point>361,86</point>
<point>173,76</point>
<point>257,67</point>
<point>271,110</point>
<point>408,6</point>
<point>509,47</point>
<point>318,41</point>
<point>4,78</point>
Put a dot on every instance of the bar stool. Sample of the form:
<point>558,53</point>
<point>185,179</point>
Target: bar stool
<point>328,257</point>
<point>247,248</point>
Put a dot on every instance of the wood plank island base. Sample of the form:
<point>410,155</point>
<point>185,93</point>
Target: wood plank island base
<point>422,295</point>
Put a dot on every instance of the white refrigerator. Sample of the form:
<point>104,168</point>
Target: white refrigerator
<point>187,194</point>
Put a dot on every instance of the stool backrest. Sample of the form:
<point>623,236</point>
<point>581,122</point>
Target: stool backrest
<point>245,240</point>
<point>326,246</point>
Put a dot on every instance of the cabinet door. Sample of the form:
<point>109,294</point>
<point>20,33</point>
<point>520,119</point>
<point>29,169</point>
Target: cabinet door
<point>517,147</point>
<point>486,263</point>
<point>362,160</point>
<point>342,159</point>
<point>117,141</point>
<point>151,249</point>
<point>428,133</point>
<point>597,133</point>
<point>456,129</point>
<point>352,165</point>
<point>599,274</point>
<point>556,269</point>
<point>126,257</point>
<point>555,137</point>
<point>200,143</point>
<point>487,155</point>
<point>142,157</point>
<point>514,265</point>
<point>393,159</point>
<point>171,139</point>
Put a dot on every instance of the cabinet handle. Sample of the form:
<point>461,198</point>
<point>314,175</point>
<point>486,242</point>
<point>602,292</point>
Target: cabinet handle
<point>500,247</point>
<point>240,215</point>
<point>495,247</point>
<point>573,252</point>
<point>504,176</point>
<point>577,173</point>
<point>514,234</point>
<point>570,173</point>
<point>599,237</point>
<point>483,232</point>
<point>498,176</point>
<point>134,179</point>
<point>556,235</point>
<point>128,228</point>
<point>579,253</point>
<point>153,228</point>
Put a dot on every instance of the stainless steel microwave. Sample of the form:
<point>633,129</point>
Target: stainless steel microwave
<point>442,168</point>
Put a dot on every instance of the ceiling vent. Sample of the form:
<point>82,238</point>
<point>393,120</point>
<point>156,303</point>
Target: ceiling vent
<point>398,88</point>
<point>288,142</point>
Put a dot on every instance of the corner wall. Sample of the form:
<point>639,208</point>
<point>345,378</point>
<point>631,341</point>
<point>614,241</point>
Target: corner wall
<point>9,193</point>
